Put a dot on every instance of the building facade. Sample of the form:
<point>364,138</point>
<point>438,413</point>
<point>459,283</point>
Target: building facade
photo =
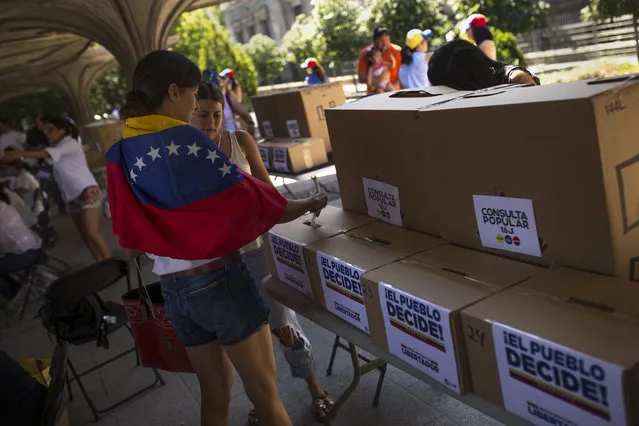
<point>245,18</point>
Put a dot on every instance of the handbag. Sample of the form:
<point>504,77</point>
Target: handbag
<point>156,340</point>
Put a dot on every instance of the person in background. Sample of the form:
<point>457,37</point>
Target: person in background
<point>478,32</point>
<point>191,210</point>
<point>10,138</point>
<point>78,186</point>
<point>116,111</point>
<point>35,136</point>
<point>242,150</point>
<point>315,71</point>
<point>391,55</point>
<point>22,397</point>
<point>414,70</point>
<point>233,103</point>
<point>378,72</point>
<point>24,183</point>
<point>463,66</point>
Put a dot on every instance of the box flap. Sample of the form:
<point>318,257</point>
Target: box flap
<point>403,100</point>
<point>590,313</point>
<point>398,239</point>
<point>495,271</point>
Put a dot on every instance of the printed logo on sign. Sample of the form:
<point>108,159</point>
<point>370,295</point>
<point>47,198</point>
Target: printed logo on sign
<point>419,332</point>
<point>268,128</point>
<point>280,159</point>
<point>264,155</point>
<point>293,128</point>
<point>545,382</point>
<point>290,263</point>
<point>382,201</point>
<point>343,290</point>
<point>507,224</point>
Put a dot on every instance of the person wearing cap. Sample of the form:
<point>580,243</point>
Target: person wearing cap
<point>478,32</point>
<point>315,71</point>
<point>414,69</point>
<point>233,105</point>
<point>229,84</point>
<point>391,56</point>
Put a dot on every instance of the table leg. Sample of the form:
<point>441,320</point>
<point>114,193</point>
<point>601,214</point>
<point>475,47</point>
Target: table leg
<point>350,389</point>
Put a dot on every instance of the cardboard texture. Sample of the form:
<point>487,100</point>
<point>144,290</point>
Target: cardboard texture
<point>428,291</point>
<point>298,112</point>
<point>335,264</point>
<point>568,149</point>
<point>104,133</point>
<point>293,155</point>
<point>285,242</point>
<point>593,320</point>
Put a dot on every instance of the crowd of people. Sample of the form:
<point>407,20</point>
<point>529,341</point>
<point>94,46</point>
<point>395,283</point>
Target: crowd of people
<point>210,261</point>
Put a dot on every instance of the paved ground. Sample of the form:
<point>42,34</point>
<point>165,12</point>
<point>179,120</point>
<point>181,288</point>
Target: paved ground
<point>404,399</point>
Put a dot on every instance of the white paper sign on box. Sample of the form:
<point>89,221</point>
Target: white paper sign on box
<point>419,333</point>
<point>293,128</point>
<point>547,383</point>
<point>280,159</point>
<point>268,129</point>
<point>507,224</point>
<point>265,157</point>
<point>382,201</point>
<point>290,263</point>
<point>342,290</point>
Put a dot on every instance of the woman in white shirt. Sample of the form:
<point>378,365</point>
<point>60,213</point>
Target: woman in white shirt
<point>79,188</point>
<point>414,70</point>
<point>241,149</point>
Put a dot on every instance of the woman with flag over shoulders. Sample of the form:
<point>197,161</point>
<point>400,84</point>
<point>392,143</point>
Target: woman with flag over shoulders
<point>175,196</point>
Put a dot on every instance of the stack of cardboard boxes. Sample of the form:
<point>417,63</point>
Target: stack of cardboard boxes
<point>293,123</point>
<point>512,266</point>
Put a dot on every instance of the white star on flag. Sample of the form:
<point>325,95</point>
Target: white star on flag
<point>139,164</point>
<point>212,156</point>
<point>133,175</point>
<point>225,169</point>
<point>154,153</point>
<point>193,149</point>
<point>173,148</point>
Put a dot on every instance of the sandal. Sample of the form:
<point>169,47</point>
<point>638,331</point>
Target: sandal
<point>252,418</point>
<point>322,404</point>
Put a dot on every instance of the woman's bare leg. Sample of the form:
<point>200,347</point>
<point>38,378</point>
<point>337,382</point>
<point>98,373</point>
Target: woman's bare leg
<point>91,223</point>
<point>254,360</point>
<point>79,224</point>
<point>215,374</point>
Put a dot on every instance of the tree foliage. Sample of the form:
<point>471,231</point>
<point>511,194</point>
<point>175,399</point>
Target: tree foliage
<point>400,16</point>
<point>606,9</point>
<point>304,40</point>
<point>343,30</point>
<point>205,41</point>
<point>268,58</point>
<point>29,106</point>
<point>108,91</point>
<point>515,16</point>
<point>508,50</point>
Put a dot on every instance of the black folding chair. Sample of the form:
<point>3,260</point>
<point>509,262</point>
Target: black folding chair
<point>55,397</point>
<point>83,284</point>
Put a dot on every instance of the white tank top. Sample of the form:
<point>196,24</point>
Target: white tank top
<point>167,265</point>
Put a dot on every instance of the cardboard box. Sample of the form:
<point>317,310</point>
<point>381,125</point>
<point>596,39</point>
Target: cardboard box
<point>414,305</point>
<point>298,112</point>
<point>563,155</point>
<point>284,251</point>
<point>264,146</point>
<point>559,348</point>
<point>335,265</point>
<point>104,133</point>
<point>95,159</point>
<point>293,155</point>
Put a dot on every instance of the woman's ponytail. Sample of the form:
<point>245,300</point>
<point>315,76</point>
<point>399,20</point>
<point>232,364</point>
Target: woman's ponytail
<point>135,105</point>
<point>407,55</point>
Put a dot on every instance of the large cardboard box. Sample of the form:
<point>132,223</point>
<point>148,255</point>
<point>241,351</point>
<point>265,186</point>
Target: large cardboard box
<point>336,264</point>
<point>285,249</point>
<point>559,348</point>
<point>104,133</point>
<point>298,112</point>
<point>414,306</point>
<point>293,155</point>
<point>548,174</point>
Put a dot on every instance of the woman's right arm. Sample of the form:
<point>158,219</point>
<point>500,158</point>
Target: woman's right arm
<point>296,208</point>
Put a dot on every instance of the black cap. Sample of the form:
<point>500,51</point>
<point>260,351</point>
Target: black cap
<point>380,31</point>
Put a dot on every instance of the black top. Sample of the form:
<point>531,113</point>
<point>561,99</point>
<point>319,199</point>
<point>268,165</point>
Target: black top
<point>22,397</point>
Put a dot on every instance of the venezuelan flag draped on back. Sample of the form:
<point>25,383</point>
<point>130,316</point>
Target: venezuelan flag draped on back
<point>173,193</point>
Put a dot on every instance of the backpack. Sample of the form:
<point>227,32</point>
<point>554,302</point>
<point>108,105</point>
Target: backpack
<point>76,322</point>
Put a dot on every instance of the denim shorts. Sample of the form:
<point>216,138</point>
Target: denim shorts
<point>226,305</point>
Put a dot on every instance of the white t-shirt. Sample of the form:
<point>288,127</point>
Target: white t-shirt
<point>25,213</point>
<point>15,236</point>
<point>70,169</point>
<point>416,74</point>
<point>13,139</point>
<point>27,182</point>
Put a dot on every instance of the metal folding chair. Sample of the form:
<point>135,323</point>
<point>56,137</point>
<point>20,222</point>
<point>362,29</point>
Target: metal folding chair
<point>55,397</point>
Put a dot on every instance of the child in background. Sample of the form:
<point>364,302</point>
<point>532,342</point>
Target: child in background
<point>379,71</point>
